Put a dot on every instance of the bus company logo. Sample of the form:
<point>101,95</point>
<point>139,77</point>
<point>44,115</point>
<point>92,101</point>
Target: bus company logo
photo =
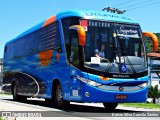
<point>46,57</point>
<point>107,15</point>
<point>121,88</point>
<point>126,31</point>
<point>73,72</point>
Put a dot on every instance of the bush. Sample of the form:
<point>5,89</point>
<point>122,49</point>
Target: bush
<point>154,93</point>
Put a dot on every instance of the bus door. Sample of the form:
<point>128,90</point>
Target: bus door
<point>74,59</point>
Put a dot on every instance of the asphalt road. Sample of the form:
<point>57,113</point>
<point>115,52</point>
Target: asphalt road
<point>80,111</point>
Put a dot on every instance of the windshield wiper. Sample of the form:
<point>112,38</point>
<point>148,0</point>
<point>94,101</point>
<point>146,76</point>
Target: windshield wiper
<point>111,65</point>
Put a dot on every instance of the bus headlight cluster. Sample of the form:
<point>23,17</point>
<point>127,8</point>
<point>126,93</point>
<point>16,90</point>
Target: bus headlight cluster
<point>143,85</point>
<point>90,82</point>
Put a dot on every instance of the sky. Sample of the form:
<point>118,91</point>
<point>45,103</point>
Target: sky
<point>16,16</point>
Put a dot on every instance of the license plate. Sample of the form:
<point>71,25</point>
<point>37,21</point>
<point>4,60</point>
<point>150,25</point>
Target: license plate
<point>118,96</point>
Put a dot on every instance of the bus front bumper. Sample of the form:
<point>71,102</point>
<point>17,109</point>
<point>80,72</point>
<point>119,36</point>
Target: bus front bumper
<point>95,94</point>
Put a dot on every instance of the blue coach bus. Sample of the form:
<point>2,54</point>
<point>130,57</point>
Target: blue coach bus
<point>80,56</point>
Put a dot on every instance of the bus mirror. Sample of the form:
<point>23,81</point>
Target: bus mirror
<point>81,34</point>
<point>154,40</point>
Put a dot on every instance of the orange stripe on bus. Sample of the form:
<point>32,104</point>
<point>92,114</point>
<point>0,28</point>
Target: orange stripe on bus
<point>49,21</point>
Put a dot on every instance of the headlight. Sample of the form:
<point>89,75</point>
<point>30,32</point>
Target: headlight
<point>93,83</point>
<point>143,85</point>
<point>90,82</point>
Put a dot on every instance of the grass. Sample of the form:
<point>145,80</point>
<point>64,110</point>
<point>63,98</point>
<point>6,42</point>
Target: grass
<point>141,105</point>
<point>1,118</point>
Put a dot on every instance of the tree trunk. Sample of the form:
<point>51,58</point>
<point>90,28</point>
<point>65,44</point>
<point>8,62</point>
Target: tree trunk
<point>154,100</point>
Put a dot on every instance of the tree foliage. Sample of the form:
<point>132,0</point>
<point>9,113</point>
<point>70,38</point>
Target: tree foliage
<point>154,93</point>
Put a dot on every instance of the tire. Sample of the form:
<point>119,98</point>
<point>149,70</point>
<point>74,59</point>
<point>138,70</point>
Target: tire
<point>14,91</point>
<point>49,101</point>
<point>110,106</point>
<point>58,97</point>
<point>17,97</point>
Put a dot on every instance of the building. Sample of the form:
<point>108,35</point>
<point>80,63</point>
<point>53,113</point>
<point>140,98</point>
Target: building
<point>154,68</point>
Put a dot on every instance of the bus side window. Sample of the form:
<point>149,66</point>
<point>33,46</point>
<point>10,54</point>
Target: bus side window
<point>74,53</point>
<point>29,48</point>
<point>36,41</point>
<point>9,52</point>
<point>58,40</point>
<point>14,49</point>
<point>50,38</point>
<point>66,23</point>
<point>20,47</point>
<point>5,49</point>
<point>5,52</point>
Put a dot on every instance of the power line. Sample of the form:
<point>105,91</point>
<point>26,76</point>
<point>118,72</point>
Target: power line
<point>138,4</point>
<point>123,3</point>
<point>143,6</point>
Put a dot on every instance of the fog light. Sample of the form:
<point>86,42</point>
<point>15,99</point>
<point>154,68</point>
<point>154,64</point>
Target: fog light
<point>87,94</point>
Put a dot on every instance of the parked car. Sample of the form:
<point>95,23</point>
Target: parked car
<point>149,100</point>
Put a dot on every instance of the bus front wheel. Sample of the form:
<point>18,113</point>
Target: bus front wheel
<point>58,97</point>
<point>110,106</point>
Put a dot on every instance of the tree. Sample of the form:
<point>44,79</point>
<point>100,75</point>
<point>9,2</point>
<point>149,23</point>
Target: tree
<point>154,93</point>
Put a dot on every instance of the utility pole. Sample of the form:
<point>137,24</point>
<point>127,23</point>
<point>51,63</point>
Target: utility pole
<point>114,10</point>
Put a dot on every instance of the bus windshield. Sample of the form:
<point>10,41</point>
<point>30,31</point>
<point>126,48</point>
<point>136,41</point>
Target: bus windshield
<point>114,48</point>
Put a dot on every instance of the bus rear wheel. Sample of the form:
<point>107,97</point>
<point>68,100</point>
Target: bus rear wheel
<point>58,97</point>
<point>110,106</point>
<point>17,97</point>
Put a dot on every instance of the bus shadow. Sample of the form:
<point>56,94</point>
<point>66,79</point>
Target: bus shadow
<point>75,107</point>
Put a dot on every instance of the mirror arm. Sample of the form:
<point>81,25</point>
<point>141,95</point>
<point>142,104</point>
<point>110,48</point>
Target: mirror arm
<point>81,34</point>
<point>154,40</point>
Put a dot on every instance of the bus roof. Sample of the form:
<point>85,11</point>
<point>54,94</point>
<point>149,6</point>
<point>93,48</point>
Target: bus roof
<point>86,14</point>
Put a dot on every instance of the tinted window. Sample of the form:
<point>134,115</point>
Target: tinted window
<point>49,38</point>
<point>74,55</point>
<point>44,39</point>
<point>20,47</point>
<point>9,52</point>
<point>5,49</point>
<point>66,23</point>
<point>29,47</point>
<point>37,39</point>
